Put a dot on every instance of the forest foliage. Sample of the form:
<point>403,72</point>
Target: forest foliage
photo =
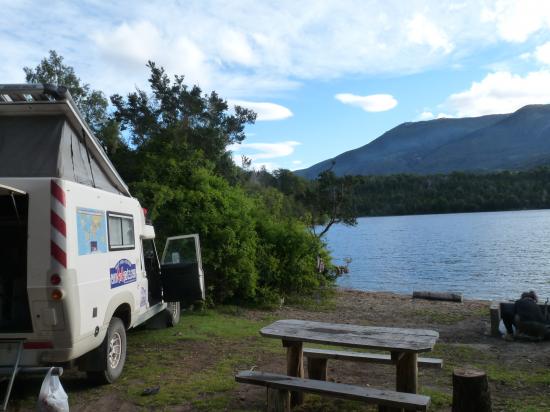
<point>452,193</point>
<point>170,143</point>
<point>408,194</point>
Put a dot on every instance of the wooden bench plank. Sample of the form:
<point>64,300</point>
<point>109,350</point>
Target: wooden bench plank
<point>338,390</point>
<point>384,359</point>
<point>375,337</point>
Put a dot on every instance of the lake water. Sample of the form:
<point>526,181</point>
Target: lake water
<point>494,255</point>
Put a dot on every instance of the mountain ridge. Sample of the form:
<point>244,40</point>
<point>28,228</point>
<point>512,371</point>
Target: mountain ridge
<point>489,143</point>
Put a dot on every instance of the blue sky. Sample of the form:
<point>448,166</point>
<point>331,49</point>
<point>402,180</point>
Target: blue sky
<point>324,76</point>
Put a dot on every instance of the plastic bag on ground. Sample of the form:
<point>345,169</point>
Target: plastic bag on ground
<point>52,397</point>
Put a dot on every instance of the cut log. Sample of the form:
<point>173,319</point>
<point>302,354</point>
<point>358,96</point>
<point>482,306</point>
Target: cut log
<point>447,296</point>
<point>471,391</point>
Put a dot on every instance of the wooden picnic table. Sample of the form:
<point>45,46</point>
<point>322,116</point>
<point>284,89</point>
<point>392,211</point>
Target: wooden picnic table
<point>403,344</point>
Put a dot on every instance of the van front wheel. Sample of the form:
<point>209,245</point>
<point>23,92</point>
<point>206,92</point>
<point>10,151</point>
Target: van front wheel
<point>113,354</point>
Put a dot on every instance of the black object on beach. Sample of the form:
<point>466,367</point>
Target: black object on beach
<point>150,391</point>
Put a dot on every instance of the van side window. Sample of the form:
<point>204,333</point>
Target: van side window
<point>121,231</point>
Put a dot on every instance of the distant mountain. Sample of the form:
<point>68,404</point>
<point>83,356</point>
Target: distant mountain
<point>512,141</point>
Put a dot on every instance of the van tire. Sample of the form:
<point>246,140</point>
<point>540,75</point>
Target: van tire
<point>113,354</point>
<point>173,313</point>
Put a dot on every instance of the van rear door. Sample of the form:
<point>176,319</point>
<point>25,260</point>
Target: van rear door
<point>14,303</point>
<point>181,270</point>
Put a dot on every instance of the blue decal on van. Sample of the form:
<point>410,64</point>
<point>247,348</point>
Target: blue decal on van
<point>123,273</point>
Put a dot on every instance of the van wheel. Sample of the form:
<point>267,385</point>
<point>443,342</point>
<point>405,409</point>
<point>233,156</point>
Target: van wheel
<point>113,354</point>
<point>173,312</point>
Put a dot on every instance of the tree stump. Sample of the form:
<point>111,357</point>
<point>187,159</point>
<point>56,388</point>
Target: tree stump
<point>471,391</point>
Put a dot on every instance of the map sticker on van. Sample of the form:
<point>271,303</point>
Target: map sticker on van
<point>123,273</point>
<point>92,231</point>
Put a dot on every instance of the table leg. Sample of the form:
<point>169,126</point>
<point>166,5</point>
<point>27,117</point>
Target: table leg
<point>294,367</point>
<point>407,373</point>
<point>406,379</point>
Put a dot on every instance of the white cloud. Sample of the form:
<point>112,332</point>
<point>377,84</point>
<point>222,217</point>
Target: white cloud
<point>501,92</point>
<point>370,103</point>
<point>262,154</point>
<point>260,151</point>
<point>297,162</point>
<point>254,50</point>
<point>422,31</point>
<point>247,49</point>
<point>427,115</point>
<point>236,48</point>
<point>265,111</point>
<point>516,20</point>
<point>542,53</point>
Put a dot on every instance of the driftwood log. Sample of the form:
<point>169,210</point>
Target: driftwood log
<point>451,297</point>
<point>470,391</point>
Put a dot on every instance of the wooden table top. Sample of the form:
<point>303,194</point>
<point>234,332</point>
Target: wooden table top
<point>373,337</point>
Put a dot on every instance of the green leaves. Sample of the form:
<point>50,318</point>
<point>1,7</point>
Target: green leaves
<point>175,161</point>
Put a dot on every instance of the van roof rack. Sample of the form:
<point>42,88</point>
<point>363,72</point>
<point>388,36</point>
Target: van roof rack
<point>49,99</point>
<point>26,93</point>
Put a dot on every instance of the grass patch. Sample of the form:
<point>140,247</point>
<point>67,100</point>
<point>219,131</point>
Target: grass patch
<point>439,400</point>
<point>532,404</point>
<point>517,377</point>
<point>200,326</point>
<point>322,300</point>
<point>460,355</point>
<point>152,353</point>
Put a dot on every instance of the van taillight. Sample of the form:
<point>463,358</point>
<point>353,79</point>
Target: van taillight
<point>57,294</point>
<point>38,345</point>
<point>55,279</point>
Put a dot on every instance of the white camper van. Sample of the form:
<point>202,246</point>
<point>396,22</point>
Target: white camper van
<point>79,264</point>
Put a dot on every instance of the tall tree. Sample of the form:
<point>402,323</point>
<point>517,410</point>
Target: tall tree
<point>92,103</point>
<point>189,122</point>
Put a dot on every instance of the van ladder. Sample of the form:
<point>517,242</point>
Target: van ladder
<point>14,371</point>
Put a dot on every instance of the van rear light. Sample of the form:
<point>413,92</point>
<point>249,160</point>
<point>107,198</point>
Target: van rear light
<point>55,279</point>
<point>57,294</point>
<point>38,345</point>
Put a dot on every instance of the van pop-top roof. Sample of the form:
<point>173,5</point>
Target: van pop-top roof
<point>43,134</point>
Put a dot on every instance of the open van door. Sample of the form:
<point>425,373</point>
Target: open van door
<point>181,270</point>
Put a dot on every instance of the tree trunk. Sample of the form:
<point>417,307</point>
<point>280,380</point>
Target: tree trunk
<point>471,391</point>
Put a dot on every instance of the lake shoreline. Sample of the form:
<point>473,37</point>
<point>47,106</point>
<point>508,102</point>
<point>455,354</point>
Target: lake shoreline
<point>380,294</point>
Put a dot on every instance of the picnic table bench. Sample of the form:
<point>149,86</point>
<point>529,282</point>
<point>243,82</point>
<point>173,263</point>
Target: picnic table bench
<point>279,397</point>
<point>404,345</point>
